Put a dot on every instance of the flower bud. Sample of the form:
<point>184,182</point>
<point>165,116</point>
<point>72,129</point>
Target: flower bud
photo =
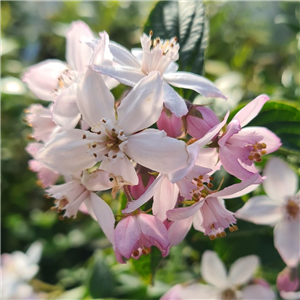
<point>287,281</point>
<point>145,180</point>
<point>171,124</point>
<point>200,120</point>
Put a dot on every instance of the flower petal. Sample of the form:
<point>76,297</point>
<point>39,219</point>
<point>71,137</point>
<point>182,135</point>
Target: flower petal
<point>260,210</point>
<point>184,212</point>
<point>94,99</point>
<point>127,235</point>
<point>213,270</point>
<point>164,199</point>
<point>96,181</point>
<point>155,185</point>
<point>65,111</point>
<point>126,75</point>
<point>251,110</point>
<point>257,291</point>
<point>105,216</point>
<point>62,152</point>
<point>281,181</point>
<point>42,78</point>
<point>194,82</point>
<point>78,54</point>
<point>143,105</point>
<point>286,240</point>
<point>242,270</point>
<point>290,295</point>
<point>174,102</point>
<point>151,148</point>
<point>122,56</point>
<point>178,230</point>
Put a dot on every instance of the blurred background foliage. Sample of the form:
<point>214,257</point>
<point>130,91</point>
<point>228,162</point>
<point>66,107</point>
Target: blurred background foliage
<point>253,48</point>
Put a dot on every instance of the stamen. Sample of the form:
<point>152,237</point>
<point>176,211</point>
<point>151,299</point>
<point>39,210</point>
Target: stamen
<point>212,237</point>
<point>136,253</point>
<point>84,136</point>
<point>95,154</point>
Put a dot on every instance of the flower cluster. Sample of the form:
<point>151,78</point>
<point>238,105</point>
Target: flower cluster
<point>152,144</point>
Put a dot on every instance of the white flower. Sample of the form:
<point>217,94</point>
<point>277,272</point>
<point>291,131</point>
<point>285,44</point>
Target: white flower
<point>279,208</point>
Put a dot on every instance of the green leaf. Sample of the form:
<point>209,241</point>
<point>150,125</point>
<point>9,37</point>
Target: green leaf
<point>100,281</point>
<point>186,21</point>
<point>282,118</point>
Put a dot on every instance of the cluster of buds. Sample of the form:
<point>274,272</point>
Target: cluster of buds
<point>96,145</point>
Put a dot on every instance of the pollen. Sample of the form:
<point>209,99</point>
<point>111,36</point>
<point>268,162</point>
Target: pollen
<point>292,208</point>
<point>136,253</point>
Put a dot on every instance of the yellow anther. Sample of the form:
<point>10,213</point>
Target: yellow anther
<point>210,185</point>
<point>264,146</point>
<point>136,253</point>
<point>223,233</point>
<point>84,137</point>
<point>263,152</point>
<point>212,237</point>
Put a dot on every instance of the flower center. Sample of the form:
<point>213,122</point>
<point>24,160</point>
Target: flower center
<point>293,207</point>
<point>258,149</point>
<point>228,294</point>
<point>66,79</point>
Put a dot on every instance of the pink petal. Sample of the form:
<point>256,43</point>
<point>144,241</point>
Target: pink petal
<point>286,240</point>
<point>281,181</point>
<point>127,235</point>
<point>194,82</point>
<point>269,138</point>
<point>174,102</point>
<point>62,152</point>
<point>164,199</point>
<point>42,78</point>
<point>242,270</point>
<point>257,291</point>
<point>184,212</point>
<point>94,99</point>
<point>260,210</point>
<point>213,270</point>
<point>151,148</point>
<point>132,206</point>
<point>233,128</point>
<point>65,111</point>
<point>251,110</point>
<point>105,216</point>
<point>126,75</point>
<point>178,230</point>
<point>143,105</point>
<point>78,54</point>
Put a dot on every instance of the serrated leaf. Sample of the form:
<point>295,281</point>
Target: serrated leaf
<point>282,118</point>
<point>186,21</point>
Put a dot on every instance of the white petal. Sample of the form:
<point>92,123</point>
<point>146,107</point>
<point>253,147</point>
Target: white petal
<point>66,153</point>
<point>257,291</point>
<point>138,53</point>
<point>198,291</point>
<point>281,181</point>
<point>65,111</point>
<point>155,185</point>
<point>122,56</point>
<point>213,270</point>
<point>164,199</point>
<point>174,102</point>
<point>242,270</point>
<point>94,99</point>
<point>121,168</point>
<point>102,53</point>
<point>34,252</point>
<point>78,53</point>
<point>143,105</point>
<point>105,217</point>
<point>97,180</point>
<point>286,240</point>
<point>260,210</point>
<point>42,78</point>
<point>126,75</point>
<point>194,82</point>
<point>290,295</point>
<point>155,150</point>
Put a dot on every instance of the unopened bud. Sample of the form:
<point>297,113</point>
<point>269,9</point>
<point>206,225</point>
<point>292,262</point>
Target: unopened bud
<point>145,181</point>
<point>200,120</point>
<point>287,281</point>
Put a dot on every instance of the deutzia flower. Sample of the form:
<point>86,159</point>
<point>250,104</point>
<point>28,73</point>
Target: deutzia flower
<point>279,208</point>
<point>157,55</point>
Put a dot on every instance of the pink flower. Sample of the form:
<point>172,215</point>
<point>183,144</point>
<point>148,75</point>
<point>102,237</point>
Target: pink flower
<point>200,120</point>
<point>145,180</point>
<point>135,234</point>
<point>240,148</point>
<point>280,208</point>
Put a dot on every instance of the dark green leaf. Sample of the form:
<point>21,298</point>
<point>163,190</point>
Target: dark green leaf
<point>281,117</point>
<point>186,21</point>
<point>100,281</point>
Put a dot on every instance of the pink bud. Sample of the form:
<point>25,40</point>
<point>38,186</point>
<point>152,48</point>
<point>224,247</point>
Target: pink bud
<point>145,180</point>
<point>200,120</point>
<point>171,124</point>
<point>287,281</point>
